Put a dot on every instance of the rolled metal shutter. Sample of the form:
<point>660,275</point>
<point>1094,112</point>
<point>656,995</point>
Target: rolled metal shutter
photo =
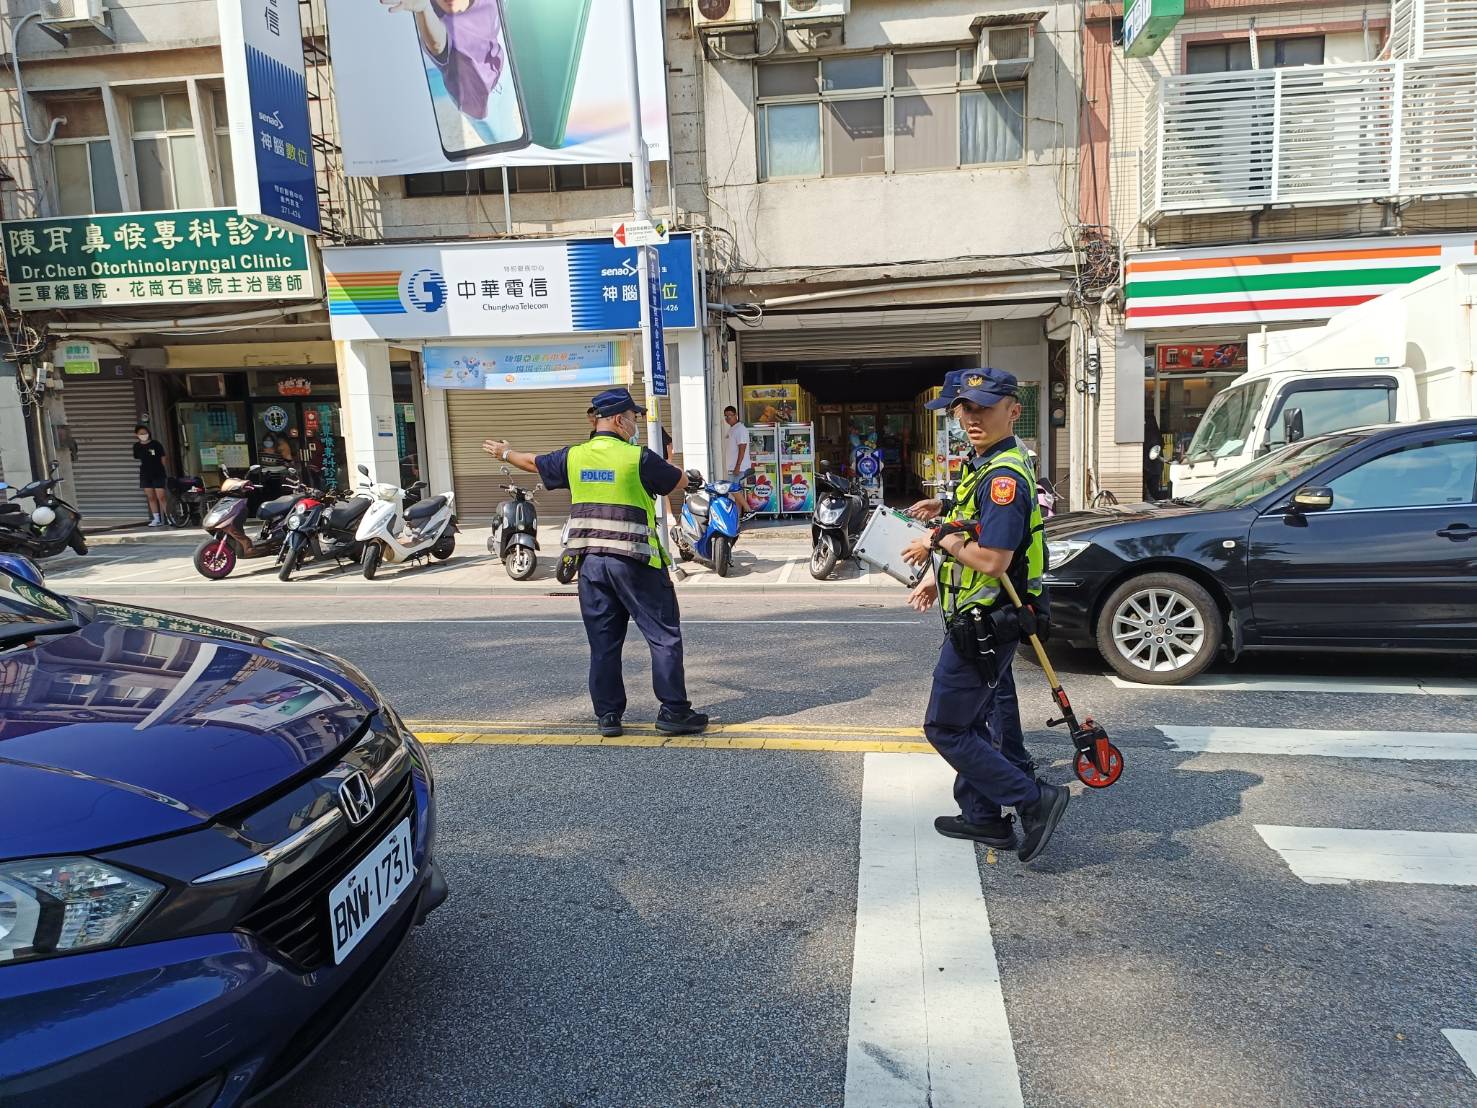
<point>845,343</point>
<point>100,415</point>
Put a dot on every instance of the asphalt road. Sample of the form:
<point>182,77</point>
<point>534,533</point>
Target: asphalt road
<point>637,926</point>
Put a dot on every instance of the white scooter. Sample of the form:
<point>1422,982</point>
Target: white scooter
<point>392,533</point>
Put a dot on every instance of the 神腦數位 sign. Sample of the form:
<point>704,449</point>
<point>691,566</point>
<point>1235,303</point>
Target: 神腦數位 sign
<point>267,94</point>
<point>153,258</point>
<point>502,289</point>
<point>529,366</point>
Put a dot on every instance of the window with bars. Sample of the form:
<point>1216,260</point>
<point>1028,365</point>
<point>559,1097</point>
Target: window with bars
<point>523,178</point>
<point>895,112</point>
<point>82,158</point>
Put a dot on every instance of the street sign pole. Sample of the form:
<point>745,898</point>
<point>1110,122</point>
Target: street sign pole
<point>650,270</point>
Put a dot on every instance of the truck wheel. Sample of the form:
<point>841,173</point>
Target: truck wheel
<point>722,554</point>
<point>369,561</point>
<point>823,557</point>
<point>1159,629</point>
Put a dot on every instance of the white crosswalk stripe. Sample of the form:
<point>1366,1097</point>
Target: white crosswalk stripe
<point>1387,686</point>
<point>1465,1044</point>
<point>1337,855</point>
<point>1443,746</point>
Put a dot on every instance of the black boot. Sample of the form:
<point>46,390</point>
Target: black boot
<point>681,723</point>
<point>998,832</point>
<point>610,725</point>
<point>1039,820</point>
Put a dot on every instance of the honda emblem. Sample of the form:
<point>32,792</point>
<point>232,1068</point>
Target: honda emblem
<point>356,797</point>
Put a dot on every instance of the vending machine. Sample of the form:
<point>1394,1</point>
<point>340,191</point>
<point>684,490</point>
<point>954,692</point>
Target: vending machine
<point>797,468</point>
<point>775,404</point>
<point>764,496</point>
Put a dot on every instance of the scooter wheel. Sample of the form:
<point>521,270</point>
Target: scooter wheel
<point>1088,773</point>
<point>369,560</point>
<point>215,558</point>
<point>568,568</point>
<point>823,557</point>
<point>520,563</point>
<point>444,548</point>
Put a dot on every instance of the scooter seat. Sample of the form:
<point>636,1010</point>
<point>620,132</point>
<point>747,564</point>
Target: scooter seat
<point>273,509</point>
<point>426,508</point>
<point>346,515</point>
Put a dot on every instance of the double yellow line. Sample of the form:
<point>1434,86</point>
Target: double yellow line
<point>719,736</point>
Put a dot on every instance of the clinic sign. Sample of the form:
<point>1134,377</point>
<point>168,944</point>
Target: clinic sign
<point>163,258</point>
<point>503,289</point>
<point>267,100</point>
<point>1147,23</point>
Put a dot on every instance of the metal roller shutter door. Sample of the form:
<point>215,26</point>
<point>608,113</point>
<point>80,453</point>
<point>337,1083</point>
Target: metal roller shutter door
<point>101,415</point>
<point>850,343</point>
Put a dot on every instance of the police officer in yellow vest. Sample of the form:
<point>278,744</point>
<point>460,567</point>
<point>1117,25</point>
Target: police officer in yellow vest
<point>612,482</point>
<point>992,528</point>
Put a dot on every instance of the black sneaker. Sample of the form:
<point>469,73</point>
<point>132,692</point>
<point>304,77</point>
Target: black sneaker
<point>681,723</point>
<point>1039,820</point>
<point>610,725</point>
<point>998,832</point>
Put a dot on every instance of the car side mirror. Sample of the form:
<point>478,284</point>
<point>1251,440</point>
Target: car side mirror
<point>364,469</point>
<point>1292,424</point>
<point>1313,498</point>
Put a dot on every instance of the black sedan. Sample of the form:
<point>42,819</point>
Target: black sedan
<point>1360,540</point>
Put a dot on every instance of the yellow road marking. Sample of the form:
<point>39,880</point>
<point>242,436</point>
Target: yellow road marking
<point>692,742</point>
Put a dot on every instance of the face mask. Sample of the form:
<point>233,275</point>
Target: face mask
<point>142,438</point>
<point>635,439</point>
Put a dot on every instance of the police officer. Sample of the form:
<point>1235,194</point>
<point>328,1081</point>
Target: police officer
<point>612,484</point>
<point>992,528</point>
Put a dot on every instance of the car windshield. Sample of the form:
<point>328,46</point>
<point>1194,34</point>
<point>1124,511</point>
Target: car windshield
<point>22,602</point>
<point>1227,423</point>
<point>1269,473</point>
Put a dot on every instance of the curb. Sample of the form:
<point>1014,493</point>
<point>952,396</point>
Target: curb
<point>225,590</point>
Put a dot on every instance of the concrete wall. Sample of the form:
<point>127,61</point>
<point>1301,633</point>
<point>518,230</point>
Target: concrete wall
<point>891,218</point>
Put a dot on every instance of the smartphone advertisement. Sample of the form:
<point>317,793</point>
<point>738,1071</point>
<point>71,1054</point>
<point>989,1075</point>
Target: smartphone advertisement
<point>430,85</point>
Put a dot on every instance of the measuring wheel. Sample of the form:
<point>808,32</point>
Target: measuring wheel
<point>1088,772</point>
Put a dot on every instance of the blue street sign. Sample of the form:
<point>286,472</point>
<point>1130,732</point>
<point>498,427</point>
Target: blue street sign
<point>657,359</point>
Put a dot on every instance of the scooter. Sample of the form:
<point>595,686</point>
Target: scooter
<point>710,522</point>
<point>322,527</point>
<point>229,540</point>
<point>429,526</point>
<point>514,538</point>
<point>52,525</point>
<point>569,560</point>
<point>841,512</point>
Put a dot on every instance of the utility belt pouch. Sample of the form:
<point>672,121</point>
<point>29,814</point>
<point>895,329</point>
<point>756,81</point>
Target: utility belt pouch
<point>972,633</point>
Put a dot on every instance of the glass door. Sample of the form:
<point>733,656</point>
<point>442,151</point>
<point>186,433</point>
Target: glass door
<point>212,435</point>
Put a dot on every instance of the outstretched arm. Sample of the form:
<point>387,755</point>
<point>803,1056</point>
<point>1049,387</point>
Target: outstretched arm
<point>518,459</point>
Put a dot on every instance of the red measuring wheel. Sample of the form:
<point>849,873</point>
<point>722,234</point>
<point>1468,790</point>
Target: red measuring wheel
<point>1088,772</point>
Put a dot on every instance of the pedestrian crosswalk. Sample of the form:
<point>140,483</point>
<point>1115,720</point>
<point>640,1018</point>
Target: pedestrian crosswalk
<point>1337,855</point>
<point>1316,742</point>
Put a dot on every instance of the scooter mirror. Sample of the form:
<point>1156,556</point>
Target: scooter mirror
<point>364,469</point>
<point>506,471</point>
<point>825,466</point>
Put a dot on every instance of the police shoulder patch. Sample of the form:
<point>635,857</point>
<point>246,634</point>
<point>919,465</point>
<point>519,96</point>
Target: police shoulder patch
<point>1002,490</point>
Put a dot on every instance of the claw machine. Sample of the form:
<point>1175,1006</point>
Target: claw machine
<point>787,403</point>
<point>797,468</point>
<point>764,497</point>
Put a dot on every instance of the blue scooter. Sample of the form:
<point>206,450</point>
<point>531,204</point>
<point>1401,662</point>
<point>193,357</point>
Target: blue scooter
<point>710,522</point>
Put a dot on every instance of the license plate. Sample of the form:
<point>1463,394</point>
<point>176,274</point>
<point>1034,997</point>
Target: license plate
<point>358,901</point>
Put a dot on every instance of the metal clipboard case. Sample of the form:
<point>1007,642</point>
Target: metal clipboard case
<point>882,542</point>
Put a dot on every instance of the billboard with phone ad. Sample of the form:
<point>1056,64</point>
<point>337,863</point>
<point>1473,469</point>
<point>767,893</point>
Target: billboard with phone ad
<point>431,85</point>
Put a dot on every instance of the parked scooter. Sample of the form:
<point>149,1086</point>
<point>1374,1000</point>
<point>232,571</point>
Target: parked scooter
<point>569,560</point>
<point>51,526</point>
<point>320,527</point>
<point>226,522</point>
<point>396,528</point>
<point>514,538</point>
<point>710,522</point>
<point>840,514</point>
<point>186,504</point>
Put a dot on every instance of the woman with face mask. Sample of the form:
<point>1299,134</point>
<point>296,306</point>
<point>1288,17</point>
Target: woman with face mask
<point>151,476</point>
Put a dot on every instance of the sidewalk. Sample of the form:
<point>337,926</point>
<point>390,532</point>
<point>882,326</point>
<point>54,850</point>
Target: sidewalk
<point>157,562</point>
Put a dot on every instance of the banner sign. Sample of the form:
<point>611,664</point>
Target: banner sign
<point>154,258</point>
<point>1197,357</point>
<point>597,365</point>
<point>498,289</point>
<point>267,99</point>
<point>1147,23</point>
<point>473,84</point>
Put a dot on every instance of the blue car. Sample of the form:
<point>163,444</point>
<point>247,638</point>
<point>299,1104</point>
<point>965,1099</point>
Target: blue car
<point>212,842</point>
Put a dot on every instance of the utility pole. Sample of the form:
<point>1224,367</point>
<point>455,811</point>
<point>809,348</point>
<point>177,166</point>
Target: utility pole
<point>646,256</point>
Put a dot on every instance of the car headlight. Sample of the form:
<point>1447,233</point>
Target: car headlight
<point>829,514</point>
<point>1061,551</point>
<point>61,905</point>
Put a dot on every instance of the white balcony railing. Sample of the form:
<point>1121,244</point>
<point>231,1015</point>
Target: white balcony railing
<point>1427,28</point>
<point>1329,134</point>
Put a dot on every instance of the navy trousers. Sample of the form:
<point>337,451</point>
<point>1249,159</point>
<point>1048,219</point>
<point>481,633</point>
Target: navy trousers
<point>614,591</point>
<point>977,730</point>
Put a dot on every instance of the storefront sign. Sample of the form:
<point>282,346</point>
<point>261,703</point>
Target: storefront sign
<point>79,359</point>
<point>546,366</point>
<point>1278,283</point>
<point>1195,357</point>
<point>1147,23</point>
<point>164,258</point>
<point>267,99</point>
<point>501,289</point>
<point>294,386</point>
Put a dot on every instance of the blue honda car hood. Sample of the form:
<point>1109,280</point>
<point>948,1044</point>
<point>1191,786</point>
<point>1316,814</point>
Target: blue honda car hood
<point>143,723</point>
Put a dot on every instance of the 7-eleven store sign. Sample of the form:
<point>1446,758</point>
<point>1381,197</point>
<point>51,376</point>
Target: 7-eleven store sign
<point>1271,283</point>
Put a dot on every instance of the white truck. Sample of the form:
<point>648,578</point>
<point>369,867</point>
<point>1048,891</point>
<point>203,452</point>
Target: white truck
<point>1406,356</point>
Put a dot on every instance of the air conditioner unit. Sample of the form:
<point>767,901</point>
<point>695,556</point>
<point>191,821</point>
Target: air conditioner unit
<point>723,15</point>
<point>814,11</point>
<point>1005,52</point>
<point>206,386</point>
<point>74,15</point>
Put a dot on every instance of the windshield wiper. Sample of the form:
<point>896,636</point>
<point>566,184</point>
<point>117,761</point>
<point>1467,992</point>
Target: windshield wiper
<point>19,634</point>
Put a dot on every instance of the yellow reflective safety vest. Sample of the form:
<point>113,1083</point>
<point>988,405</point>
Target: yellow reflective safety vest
<point>611,512</point>
<point>961,587</point>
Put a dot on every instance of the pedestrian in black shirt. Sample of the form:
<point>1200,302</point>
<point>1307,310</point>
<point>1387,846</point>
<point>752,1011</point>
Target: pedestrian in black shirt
<point>151,476</point>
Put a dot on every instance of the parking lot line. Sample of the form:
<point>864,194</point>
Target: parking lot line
<point>1339,855</point>
<point>1442,746</point>
<point>928,1024</point>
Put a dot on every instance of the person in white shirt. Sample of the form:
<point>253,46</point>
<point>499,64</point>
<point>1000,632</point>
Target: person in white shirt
<point>735,445</point>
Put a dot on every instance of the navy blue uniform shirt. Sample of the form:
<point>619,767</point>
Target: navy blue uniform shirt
<point>1003,500</point>
<point>658,476</point>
